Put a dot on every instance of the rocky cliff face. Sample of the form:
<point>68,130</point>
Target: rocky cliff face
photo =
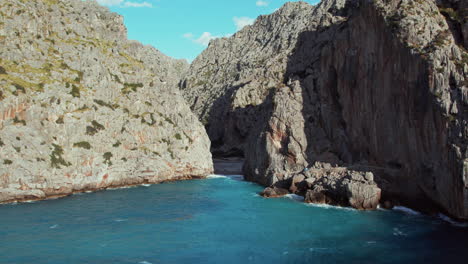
<point>233,75</point>
<point>82,108</point>
<point>373,86</point>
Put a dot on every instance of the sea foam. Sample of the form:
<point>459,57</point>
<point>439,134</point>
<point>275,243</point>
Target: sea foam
<point>451,221</point>
<point>406,210</point>
<point>327,206</point>
<point>232,177</point>
<point>215,176</point>
<point>295,197</point>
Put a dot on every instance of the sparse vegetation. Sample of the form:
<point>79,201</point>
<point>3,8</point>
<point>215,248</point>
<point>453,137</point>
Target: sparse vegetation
<point>441,38</point>
<point>75,91</point>
<point>116,78</point>
<point>129,87</point>
<point>56,159</point>
<point>102,103</point>
<point>452,14</point>
<point>94,128</point>
<point>59,120</point>
<point>107,158</point>
<point>150,123</point>
<point>19,88</point>
<point>178,136</point>
<point>7,162</point>
<point>18,121</point>
<point>2,70</point>
<point>171,152</point>
<point>82,144</point>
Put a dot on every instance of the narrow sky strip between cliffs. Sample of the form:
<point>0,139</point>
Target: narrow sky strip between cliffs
<point>183,28</point>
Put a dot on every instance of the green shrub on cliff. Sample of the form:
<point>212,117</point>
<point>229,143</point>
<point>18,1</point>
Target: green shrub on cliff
<point>56,159</point>
<point>82,144</point>
<point>96,127</point>
<point>75,91</point>
<point>107,158</point>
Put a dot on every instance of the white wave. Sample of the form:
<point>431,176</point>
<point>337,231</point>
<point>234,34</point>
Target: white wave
<point>54,226</point>
<point>144,262</point>
<point>146,185</point>
<point>215,176</point>
<point>237,177</point>
<point>398,232</point>
<point>295,197</point>
<point>327,206</point>
<point>232,177</point>
<point>121,188</point>
<point>120,220</point>
<point>371,242</point>
<point>406,210</point>
<point>285,252</point>
<point>451,221</point>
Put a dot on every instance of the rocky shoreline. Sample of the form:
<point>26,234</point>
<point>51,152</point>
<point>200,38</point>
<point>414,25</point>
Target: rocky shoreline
<point>324,184</point>
<point>21,196</point>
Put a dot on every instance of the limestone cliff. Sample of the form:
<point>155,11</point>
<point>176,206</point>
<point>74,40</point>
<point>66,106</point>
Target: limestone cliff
<point>83,108</point>
<point>374,86</point>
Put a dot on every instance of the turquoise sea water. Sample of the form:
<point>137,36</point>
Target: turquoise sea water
<point>218,220</point>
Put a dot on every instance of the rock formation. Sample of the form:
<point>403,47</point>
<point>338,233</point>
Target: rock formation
<point>364,86</point>
<point>83,108</point>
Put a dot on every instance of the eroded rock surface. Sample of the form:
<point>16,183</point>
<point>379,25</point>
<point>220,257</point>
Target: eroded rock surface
<point>83,108</point>
<point>378,85</point>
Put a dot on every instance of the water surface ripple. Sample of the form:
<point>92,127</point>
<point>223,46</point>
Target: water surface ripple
<point>217,220</point>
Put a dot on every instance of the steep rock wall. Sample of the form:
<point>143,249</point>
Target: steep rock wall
<point>375,86</point>
<point>83,108</point>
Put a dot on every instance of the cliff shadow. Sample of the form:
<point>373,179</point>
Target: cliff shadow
<point>229,129</point>
<point>361,112</point>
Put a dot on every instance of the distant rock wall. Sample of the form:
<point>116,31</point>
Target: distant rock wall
<point>82,108</point>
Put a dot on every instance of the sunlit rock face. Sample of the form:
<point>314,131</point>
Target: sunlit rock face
<point>83,108</point>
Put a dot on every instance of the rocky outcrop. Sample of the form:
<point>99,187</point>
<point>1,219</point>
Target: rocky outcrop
<point>372,86</point>
<point>324,184</point>
<point>337,186</point>
<point>82,108</point>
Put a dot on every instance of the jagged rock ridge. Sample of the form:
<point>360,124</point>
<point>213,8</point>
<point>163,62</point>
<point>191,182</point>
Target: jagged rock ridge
<point>83,108</point>
<point>375,86</point>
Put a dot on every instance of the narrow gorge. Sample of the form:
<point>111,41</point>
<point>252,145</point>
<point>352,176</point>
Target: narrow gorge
<point>348,102</point>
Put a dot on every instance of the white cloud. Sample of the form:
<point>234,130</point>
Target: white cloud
<point>243,21</point>
<point>188,35</point>
<point>123,3</point>
<point>135,4</point>
<point>204,38</point>
<point>262,3</point>
<point>110,2</point>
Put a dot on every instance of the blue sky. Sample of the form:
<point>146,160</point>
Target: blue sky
<point>182,28</point>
